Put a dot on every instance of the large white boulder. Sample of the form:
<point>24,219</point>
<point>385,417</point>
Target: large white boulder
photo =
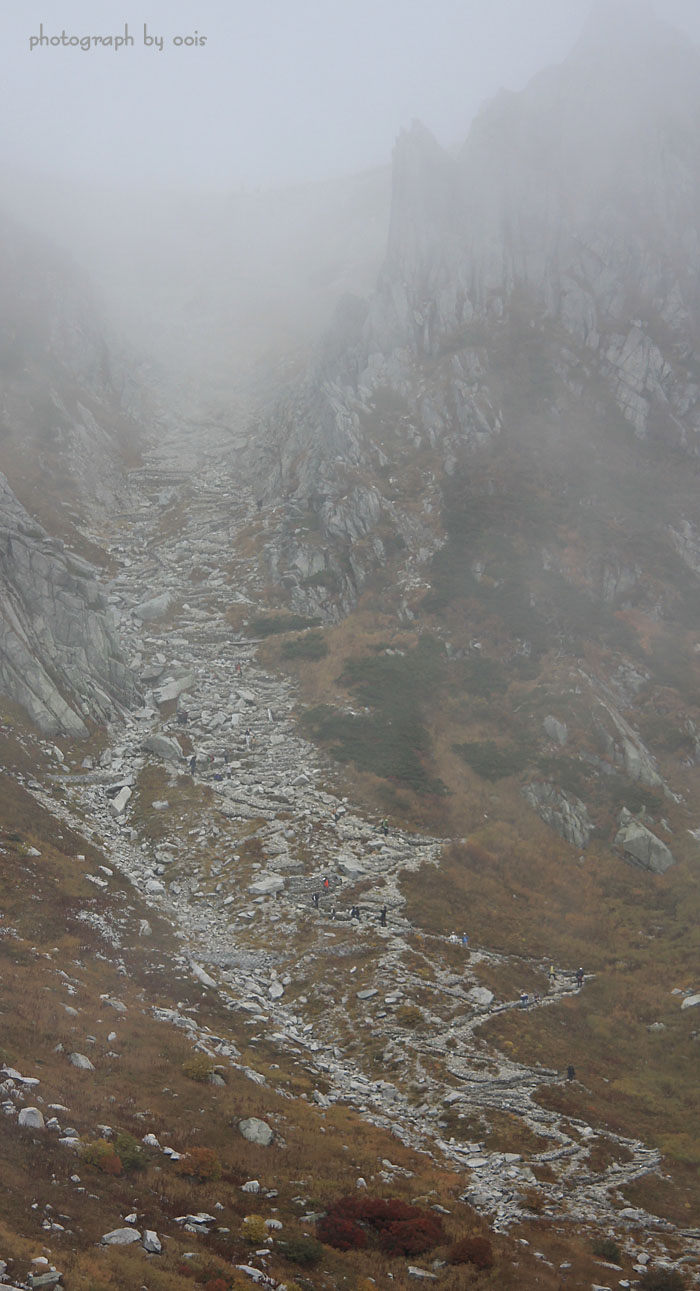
<point>256,1131</point>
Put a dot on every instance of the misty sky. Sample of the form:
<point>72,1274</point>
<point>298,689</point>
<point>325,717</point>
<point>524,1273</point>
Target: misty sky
<point>283,90</point>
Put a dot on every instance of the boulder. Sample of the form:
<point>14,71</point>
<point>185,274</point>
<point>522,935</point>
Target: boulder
<point>351,868</point>
<point>256,1131</point>
<point>481,995</point>
<point>172,688</point>
<point>118,804</point>
<point>154,608</point>
<point>31,1118</point>
<point>689,1002</point>
<point>151,1242</point>
<point>202,976</point>
<point>79,1060</point>
<point>162,747</point>
<point>121,1237</point>
<point>267,885</point>
<point>641,847</point>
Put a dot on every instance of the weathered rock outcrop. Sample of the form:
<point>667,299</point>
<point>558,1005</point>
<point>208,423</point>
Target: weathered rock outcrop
<point>641,847</point>
<point>60,658</point>
<point>563,240</point>
<point>562,812</point>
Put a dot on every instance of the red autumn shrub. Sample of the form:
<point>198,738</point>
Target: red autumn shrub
<point>343,1234</point>
<point>472,1250</point>
<point>411,1236</point>
<point>401,1229</point>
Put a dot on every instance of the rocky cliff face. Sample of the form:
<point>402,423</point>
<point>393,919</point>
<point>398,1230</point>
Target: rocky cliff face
<point>64,431</point>
<point>504,438</point>
<point>569,220</point>
<point>59,653</point>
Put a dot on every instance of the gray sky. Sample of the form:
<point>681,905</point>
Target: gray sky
<point>283,90</point>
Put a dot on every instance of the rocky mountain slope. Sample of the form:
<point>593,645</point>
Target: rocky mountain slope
<point>289,943</point>
<point>567,224</point>
<point>499,446</point>
<point>65,436</point>
<point>312,1051</point>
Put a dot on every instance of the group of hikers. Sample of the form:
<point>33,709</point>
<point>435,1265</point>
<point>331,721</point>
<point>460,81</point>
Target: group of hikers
<point>525,1000</point>
<point>355,912</point>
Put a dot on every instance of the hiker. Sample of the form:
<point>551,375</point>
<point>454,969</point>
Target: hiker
<point>247,736</point>
<point>382,917</point>
<point>239,670</point>
<point>465,939</point>
<point>579,977</point>
<point>453,938</point>
<point>570,1072</point>
<point>316,898</point>
<point>552,974</point>
<point>385,826</point>
<point>537,998</point>
<point>355,913</point>
<point>193,763</point>
<point>524,999</point>
<point>333,912</point>
<point>326,883</point>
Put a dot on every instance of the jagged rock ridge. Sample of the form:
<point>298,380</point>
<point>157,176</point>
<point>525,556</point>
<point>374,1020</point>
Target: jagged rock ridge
<point>568,219</point>
<point>60,656</point>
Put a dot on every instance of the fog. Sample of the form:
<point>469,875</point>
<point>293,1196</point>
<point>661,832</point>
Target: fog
<point>223,172</point>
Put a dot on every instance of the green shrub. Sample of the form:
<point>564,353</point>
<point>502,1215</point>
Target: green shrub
<point>607,1249</point>
<point>304,1251</point>
<point>391,739</point>
<point>268,625</point>
<point>199,1067</point>
<point>130,1152</point>
<point>310,646</point>
<point>662,1280</point>
<point>493,761</point>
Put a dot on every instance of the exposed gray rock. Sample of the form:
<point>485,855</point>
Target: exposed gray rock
<point>172,687</point>
<point>556,730</point>
<point>155,608</point>
<point>163,747</point>
<point>121,1237</point>
<point>267,885</point>
<point>151,1242</point>
<point>641,847</point>
<point>256,1131</point>
<point>481,995</point>
<point>79,1060</point>
<point>60,658</point>
<point>118,804</point>
<point>31,1118</point>
<point>561,811</point>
